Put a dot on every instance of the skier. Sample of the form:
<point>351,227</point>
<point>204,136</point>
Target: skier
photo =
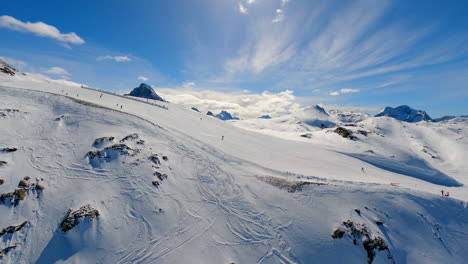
<point>442,192</point>
<point>222,137</point>
<point>120,106</point>
<point>100,96</point>
<point>362,169</point>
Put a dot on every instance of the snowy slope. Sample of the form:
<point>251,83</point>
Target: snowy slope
<point>250,198</point>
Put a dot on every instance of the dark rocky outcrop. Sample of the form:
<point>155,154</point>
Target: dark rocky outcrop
<point>101,141</point>
<point>12,229</point>
<point>346,133</point>
<point>265,117</point>
<point>145,91</point>
<point>8,150</point>
<point>73,218</point>
<point>195,109</point>
<point>359,232</point>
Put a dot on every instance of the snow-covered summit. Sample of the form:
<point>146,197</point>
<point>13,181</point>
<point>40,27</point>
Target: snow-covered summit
<point>225,115</point>
<point>405,113</point>
<point>145,91</point>
<point>348,116</point>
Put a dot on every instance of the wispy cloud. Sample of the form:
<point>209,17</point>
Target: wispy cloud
<point>344,91</point>
<point>57,72</point>
<point>143,78</point>
<point>188,85</point>
<point>242,9</point>
<point>279,16</point>
<point>114,58</point>
<point>40,29</point>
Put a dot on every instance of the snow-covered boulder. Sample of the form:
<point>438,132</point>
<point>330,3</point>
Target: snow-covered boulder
<point>405,113</point>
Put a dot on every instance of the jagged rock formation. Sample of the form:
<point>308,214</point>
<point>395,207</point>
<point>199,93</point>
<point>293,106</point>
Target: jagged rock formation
<point>73,218</point>
<point>145,91</point>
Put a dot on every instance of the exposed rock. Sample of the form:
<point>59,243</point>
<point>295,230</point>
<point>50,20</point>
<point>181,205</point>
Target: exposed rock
<point>290,186</point>
<point>14,197</point>
<point>3,163</point>
<point>161,176</point>
<point>156,183</point>
<point>73,218</point>
<point>7,69</point>
<point>209,113</point>
<point>154,158</point>
<point>2,181</point>
<point>23,183</point>
<point>165,158</point>
<point>5,251</point>
<point>359,232</point>
<point>102,140</point>
<point>130,137</point>
<point>265,117</point>
<point>195,109</point>
<point>8,149</point>
<point>346,133</point>
<point>12,229</point>
<point>338,233</point>
<point>145,91</point>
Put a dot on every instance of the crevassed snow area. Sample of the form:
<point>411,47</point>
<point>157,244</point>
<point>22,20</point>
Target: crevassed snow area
<point>250,198</point>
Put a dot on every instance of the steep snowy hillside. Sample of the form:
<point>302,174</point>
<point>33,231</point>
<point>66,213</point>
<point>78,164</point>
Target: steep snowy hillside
<point>164,184</point>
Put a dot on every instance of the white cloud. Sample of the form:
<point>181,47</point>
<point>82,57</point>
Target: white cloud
<point>238,104</point>
<point>250,2</point>
<point>143,78</point>
<point>279,16</point>
<point>344,91</point>
<point>40,29</point>
<point>57,71</point>
<point>115,58</point>
<point>188,85</point>
<point>242,8</point>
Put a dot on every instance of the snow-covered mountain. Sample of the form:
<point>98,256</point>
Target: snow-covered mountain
<point>145,91</point>
<point>348,116</point>
<point>224,115</point>
<point>405,113</point>
<point>83,181</point>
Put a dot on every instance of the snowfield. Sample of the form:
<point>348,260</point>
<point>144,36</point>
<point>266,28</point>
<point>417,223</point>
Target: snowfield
<point>169,189</point>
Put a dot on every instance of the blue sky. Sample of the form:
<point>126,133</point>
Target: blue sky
<point>349,53</point>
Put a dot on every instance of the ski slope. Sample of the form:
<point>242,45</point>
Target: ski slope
<point>223,200</point>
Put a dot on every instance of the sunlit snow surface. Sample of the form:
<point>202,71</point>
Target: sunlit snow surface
<point>215,205</point>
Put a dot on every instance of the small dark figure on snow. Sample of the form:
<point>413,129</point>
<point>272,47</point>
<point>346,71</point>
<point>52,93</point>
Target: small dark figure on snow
<point>362,169</point>
<point>222,137</point>
<point>100,96</point>
<point>121,106</point>
<point>442,192</point>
